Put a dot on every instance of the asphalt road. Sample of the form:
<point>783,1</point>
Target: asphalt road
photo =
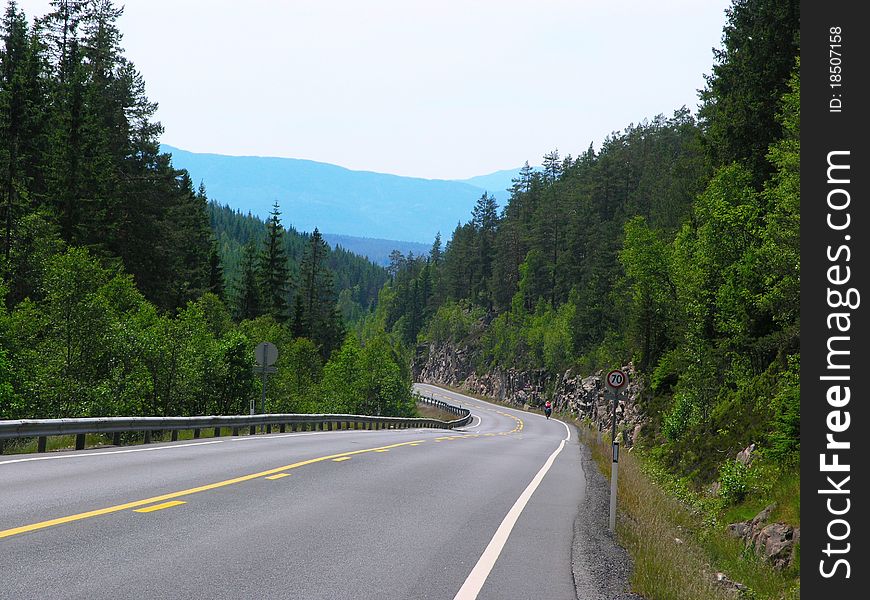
<point>483,512</point>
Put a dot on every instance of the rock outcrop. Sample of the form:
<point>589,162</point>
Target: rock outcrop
<point>582,396</point>
<point>774,542</point>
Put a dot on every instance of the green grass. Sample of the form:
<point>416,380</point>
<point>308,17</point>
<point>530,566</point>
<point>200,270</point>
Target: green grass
<point>427,411</point>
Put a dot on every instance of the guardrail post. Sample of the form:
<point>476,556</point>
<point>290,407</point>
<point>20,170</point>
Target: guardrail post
<point>217,432</point>
<point>147,437</point>
<point>235,431</point>
<point>282,427</point>
<point>196,433</point>
<point>253,430</point>
<point>293,427</point>
<point>80,441</point>
<point>174,437</point>
<point>40,444</point>
<point>116,438</point>
<point>268,428</point>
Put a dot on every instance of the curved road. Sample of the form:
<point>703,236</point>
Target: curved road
<point>485,512</point>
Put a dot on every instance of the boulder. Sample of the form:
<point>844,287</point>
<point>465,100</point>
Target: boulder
<point>774,543</point>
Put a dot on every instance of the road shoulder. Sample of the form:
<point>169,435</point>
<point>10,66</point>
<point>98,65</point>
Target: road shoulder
<point>601,567</point>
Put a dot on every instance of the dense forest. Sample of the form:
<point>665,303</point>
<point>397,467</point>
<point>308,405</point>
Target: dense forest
<point>674,245</point>
<point>125,291</point>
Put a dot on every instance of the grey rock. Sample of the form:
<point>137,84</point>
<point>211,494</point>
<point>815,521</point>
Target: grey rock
<point>775,544</point>
<point>762,517</point>
<point>745,455</point>
<point>739,530</point>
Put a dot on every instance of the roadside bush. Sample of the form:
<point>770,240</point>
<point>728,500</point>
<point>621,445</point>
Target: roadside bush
<point>735,480</point>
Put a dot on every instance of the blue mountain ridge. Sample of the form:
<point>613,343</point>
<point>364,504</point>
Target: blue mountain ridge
<point>338,200</point>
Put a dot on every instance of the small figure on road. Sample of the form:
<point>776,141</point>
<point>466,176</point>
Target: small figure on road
<point>548,408</point>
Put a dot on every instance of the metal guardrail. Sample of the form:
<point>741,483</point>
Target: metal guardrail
<point>43,428</point>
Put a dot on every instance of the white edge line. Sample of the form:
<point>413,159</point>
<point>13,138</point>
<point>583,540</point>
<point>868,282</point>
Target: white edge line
<point>87,454</point>
<point>475,580</point>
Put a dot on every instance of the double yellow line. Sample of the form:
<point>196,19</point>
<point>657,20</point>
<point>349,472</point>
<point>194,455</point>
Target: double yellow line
<point>203,488</point>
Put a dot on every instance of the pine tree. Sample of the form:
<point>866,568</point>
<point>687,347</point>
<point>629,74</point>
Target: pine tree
<point>13,60</point>
<point>248,300</point>
<point>215,273</point>
<point>751,74</point>
<point>274,272</point>
<point>484,218</point>
<point>317,317</point>
<point>435,252</point>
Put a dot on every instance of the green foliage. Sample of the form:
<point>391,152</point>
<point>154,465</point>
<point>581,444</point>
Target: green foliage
<point>367,379</point>
<point>453,321</point>
<point>741,101</point>
<point>785,436</point>
<point>734,479</point>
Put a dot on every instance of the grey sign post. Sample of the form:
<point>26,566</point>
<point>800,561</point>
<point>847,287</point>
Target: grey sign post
<point>265,354</point>
<point>616,379</point>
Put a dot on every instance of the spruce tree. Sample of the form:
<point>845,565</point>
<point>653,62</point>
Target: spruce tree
<point>317,317</point>
<point>273,269</point>
<point>13,60</point>
<point>248,300</point>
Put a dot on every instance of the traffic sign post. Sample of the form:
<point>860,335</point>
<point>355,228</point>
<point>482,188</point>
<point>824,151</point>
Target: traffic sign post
<point>265,354</point>
<point>615,381</point>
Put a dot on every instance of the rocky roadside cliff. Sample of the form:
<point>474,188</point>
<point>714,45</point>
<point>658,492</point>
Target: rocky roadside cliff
<point>451,365</point>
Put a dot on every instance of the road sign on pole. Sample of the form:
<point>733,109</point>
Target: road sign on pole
<point>265,354</point>
<point>614,381</point>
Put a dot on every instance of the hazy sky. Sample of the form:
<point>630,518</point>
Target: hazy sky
<point>437,89</point>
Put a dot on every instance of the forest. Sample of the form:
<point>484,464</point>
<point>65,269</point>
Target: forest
<point>125,291</point>
<point>674,246</point>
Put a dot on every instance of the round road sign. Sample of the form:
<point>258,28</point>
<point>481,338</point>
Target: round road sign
<point>616,379</point>
<point>266,354</point>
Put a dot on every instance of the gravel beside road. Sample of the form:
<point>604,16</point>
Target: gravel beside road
<point>601,567</point>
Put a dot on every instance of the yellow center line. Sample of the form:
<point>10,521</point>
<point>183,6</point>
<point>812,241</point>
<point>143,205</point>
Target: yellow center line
<point>149,509</point>
<point>342,458</point>
<point>278,476</point>
<point>203,488</point>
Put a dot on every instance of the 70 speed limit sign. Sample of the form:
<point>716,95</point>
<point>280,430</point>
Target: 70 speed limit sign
<point>616,379</point>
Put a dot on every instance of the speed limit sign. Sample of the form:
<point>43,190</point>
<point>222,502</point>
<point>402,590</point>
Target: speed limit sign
<point>616,379</point>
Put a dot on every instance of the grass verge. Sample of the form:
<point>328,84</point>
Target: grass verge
<point>678,542</point>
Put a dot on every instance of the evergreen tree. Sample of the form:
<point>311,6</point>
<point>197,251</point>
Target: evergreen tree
<point>435,252</point>
<point>13,106</point>
<point>743,94</point>
<point>248,299</point>
<point>317,317</point>
<point>215,273</point>
<point>273,270</point>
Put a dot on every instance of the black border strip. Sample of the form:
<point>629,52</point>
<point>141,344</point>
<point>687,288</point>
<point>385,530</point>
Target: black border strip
<point>833,120</point>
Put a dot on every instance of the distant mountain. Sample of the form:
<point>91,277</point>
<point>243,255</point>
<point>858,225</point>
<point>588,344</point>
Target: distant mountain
<point>332,198</point>
<point>376,250</point>
<point>495,183</point>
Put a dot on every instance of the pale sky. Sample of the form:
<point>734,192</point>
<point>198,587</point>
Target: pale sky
<point>447,89</point>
